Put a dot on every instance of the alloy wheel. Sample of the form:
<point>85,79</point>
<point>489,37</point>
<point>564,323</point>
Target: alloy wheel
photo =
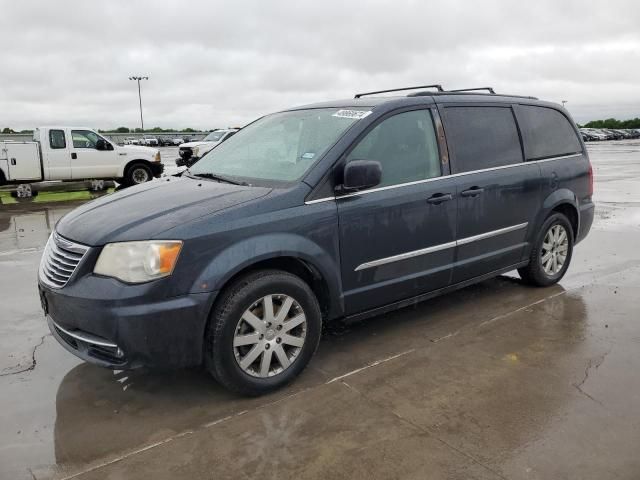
<point>270,335</point>
<point>555,247</point>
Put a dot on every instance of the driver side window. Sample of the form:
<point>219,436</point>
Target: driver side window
<point>406,147</point>
<point>84,138</point>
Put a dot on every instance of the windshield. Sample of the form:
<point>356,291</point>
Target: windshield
<point>279,147</point>
<point>214,136</point>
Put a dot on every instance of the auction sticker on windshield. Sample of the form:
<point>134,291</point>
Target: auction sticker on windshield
<point>357,114</point>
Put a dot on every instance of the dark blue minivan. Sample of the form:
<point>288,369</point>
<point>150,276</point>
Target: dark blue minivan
<point>339,210</point>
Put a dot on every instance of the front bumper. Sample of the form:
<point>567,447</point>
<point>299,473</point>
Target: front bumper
<point>129,333</point>
<point>157,169</point>
<point>186,162</point>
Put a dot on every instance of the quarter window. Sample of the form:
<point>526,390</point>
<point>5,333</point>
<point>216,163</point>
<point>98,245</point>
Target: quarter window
<point>406,147</point>
<point>546,133</point>
<point>482,137</point>
<point>57,139</point>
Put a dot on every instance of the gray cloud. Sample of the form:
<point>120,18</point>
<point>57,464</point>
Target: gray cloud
<point>220,63</point>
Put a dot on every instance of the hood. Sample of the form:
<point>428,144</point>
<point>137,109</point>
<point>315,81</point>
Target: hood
<point>139,149</point>
<point>144,211</point>
<point>197,144</point>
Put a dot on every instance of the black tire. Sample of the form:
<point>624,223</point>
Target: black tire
<point>134,172</point>
<point>534,273</point>
<point>220,359</point>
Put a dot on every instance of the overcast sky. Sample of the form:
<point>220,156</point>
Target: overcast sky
<point>216,64</point>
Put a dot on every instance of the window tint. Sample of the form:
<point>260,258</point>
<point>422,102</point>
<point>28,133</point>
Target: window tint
<point>546,133</point>
<point>84,138</point>
<point>56,139</point>
<point>482,137</point>
<point>405,145</point>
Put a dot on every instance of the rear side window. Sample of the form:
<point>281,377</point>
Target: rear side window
<point>482,137</point>
<point>56,139</point>
<point>546,133</point>
<point>406,147</point>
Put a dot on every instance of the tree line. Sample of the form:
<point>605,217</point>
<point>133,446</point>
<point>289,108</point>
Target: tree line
<point>613,123</point>
<point>150,130</point>
<point>123,130</point>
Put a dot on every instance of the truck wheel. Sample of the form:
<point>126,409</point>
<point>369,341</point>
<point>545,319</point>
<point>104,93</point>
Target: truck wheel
<point>97,185</point>
<point>138,173</point>
<point>24,191</point>
<point>262,332</point>
<point>551,254</point>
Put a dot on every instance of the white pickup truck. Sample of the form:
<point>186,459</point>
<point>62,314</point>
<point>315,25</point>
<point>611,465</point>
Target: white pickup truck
<point>192,151</point>
<point>70,153</point>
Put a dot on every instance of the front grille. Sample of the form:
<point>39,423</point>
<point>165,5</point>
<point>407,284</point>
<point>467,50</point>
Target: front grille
<point>59,260</point>
<point>185,152</point>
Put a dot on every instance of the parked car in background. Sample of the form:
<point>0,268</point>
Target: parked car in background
<point>589,137</point>
<point>345,209</point>
<point>177,141</point>
<point>149,141</point>
<point>165,141</point>
<point>76,153</point>
<point>191,152</point>
<point>598,134</point>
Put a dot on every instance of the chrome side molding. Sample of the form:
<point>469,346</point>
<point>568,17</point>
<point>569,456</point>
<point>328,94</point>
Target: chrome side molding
<point>405,256</point>
<point>442,246</point>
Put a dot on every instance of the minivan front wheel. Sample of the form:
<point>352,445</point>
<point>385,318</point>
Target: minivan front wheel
<point>551,255</point>
<point>263,331</point>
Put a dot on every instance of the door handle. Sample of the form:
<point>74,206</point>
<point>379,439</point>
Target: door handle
<point>13,161</point>
<point>438,198</point>
<point>74,155</point>
<point>472,192</point>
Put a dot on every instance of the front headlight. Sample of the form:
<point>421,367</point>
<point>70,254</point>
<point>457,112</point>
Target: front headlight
<point>138,262</point>
<point>194,151</point>
<point>157,157</point>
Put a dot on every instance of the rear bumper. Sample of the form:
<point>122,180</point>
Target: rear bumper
<point>587,212</point>
<point>129,334</point>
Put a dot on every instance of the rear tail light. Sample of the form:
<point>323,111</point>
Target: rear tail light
<point>590,179</point>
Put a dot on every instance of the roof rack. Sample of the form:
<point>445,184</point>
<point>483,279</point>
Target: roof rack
<point>437,87</point>
<point>476,89</point>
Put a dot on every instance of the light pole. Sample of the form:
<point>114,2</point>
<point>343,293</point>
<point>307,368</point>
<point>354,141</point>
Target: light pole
<point>140,97</point>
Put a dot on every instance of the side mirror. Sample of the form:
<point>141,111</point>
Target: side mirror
<point>359,174</point>
<point>102,145</point>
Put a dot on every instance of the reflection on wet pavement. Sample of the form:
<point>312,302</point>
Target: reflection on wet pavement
<point>495,381</point>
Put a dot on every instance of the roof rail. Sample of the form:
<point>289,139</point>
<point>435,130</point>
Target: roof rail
<point>436,86</point>
<point>476,89</point>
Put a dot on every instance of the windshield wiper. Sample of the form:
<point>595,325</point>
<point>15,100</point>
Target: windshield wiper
<point>219,178</point>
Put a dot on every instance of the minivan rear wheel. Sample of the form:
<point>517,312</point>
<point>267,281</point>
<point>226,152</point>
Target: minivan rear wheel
<point>263,332</point>
<point>551,255</point>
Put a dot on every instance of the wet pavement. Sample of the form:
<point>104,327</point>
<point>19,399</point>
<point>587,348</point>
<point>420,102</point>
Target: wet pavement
<point>498,380</point>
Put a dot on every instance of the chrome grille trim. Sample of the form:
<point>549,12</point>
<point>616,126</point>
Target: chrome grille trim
<point>86,337</point>
<point>59,261</point>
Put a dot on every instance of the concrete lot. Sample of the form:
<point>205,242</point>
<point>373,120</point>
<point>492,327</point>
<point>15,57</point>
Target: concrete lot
<point>495,381</point>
